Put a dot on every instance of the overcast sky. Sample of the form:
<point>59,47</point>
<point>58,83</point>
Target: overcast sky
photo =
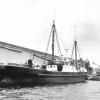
<point>28,23</point>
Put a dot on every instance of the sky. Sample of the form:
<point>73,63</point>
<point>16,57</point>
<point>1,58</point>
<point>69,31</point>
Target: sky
<point>28,23</point>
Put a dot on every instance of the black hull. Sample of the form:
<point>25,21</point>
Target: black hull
<point>94,78</point>
<point>1,72</point>
<point>19,75</point>
<point>59,79</point>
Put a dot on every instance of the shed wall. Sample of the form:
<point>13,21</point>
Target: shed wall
<point>13,56</point>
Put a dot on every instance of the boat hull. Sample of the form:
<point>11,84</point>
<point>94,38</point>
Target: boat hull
<point>19,75</point>
<point>1,72</point>
<point>94,77</point>
<point>43,79</point>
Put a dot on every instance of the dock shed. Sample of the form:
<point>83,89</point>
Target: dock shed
<point>16,55</point>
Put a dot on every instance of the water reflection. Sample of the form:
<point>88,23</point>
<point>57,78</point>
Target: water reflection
<point>80,91</point>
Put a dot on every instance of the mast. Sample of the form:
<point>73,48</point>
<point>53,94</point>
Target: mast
<point>75,49</point>
<point>53,40</point>
<point>75,44</point>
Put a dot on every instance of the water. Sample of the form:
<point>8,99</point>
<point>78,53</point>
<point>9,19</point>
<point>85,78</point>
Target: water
<point>79,91</point>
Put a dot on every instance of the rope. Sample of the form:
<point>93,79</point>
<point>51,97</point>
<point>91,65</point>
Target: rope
<point>78,51</point>
<point>59,49</point>
<point>49,41</point>
<point>72,52</point>
<point>61,41</point>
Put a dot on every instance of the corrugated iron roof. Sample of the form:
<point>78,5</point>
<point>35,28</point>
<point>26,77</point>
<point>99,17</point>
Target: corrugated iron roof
<point>19,48</point>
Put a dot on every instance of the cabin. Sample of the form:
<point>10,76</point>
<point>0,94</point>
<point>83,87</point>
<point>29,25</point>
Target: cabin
<point>19,56</point>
